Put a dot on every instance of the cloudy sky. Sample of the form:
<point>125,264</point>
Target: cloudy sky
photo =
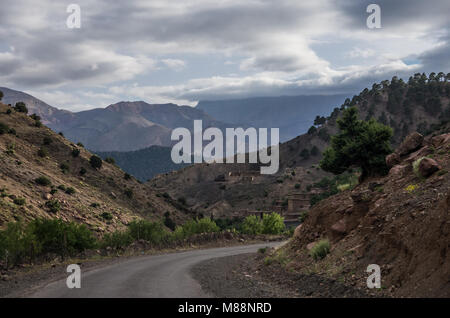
<point>184,51</point>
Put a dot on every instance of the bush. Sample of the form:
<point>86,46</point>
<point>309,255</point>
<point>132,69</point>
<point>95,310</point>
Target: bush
<point>21,107</point>
<point>3,128</point>
<point>96,162</point>
<point>37,123</point>
<point>43,181</point>
<point>8,111</point>
<point>129,193</point>
<point>47,141</point>
<point>62,238</point>
<point>19,241</point>
<point>42,152</point>
<point>116,240</point>
<point>53,205</point>
<point>110,160</point>
<point>64,167</point>
<point>16,243</point>
<point>415,165</point>
<point>83,171</point>
<point>127,176</point>
<point>168,222</point>
<point>362,143</point>
<point>197,226</point>
<point>79,144</point>
<point>252,225</point>
<point>12,131</point>
<point>273,223</point>
<point>35,117</point>
<point>107,216</point>
<point>153,232</point>
<point>75,152</point>
<point>320,250</point>
<point>19,201</point>
<point>70,191</point>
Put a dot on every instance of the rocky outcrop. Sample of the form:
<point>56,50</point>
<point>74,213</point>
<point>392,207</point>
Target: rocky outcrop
<point>427,167</point>
<point>411,143</point>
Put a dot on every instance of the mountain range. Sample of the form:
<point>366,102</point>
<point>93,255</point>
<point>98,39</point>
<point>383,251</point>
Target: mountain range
<point>130,126</point>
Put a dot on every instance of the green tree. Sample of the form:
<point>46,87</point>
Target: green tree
<point>21,107</point>
<point>96,162</point>
<point>273,223</point>
<point>359,143</point>
<point>252,225</point>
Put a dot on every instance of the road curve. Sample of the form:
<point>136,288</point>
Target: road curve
<point>161,276</point>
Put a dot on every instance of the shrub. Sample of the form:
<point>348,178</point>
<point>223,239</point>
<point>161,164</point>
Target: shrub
<point>62,187</point>
<point>252,225</point>
<point>47,141</point>
<point>110,160</point>
<point>273,223</point>
<point>53,205</point>
<point>127,176</point>
<point>62,238</point>
<point>182,200</point>
<point>16,243</point>
<point>70,190</point>
<point>1,95</point>
<point>302,216</point>
<point>262,250</point>
<point>129,193</point>
<point>83,171</point>
<point>35,117</point>
<point>79,144</point>
<point>415,165</point>
<point>43,181</point>
<point>75,152</point>
<point>96,162</point>
<point>198,226</point>
<point>37,123</point>
<point>21,107</point>
<point>8,111</point>
<point>20,201</point>
<point>153,232</point>
<point>107,216</point>
<point>168,222</point>
<point>116,240</point>
<point>320,250</point>
<point>42,152</point>
<point>95,205</point>
<point>64,167</point>
<point>3,128</point>
<point>12,131</point>
<point>297,186</point>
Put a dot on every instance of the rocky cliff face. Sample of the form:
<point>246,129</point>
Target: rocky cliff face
<point>400,222</point>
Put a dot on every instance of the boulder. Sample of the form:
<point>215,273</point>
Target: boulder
<point>339,228</point>
<point>397,170</point>
<point>427,167</point>
<point>411,143</point>
<point>298,230</point>
<point>436,141</point>
<point>392,159</point>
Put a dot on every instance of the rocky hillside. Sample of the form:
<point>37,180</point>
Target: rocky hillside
<point>400,222</point>
<point>42,174</point>
<point>420,104</point>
